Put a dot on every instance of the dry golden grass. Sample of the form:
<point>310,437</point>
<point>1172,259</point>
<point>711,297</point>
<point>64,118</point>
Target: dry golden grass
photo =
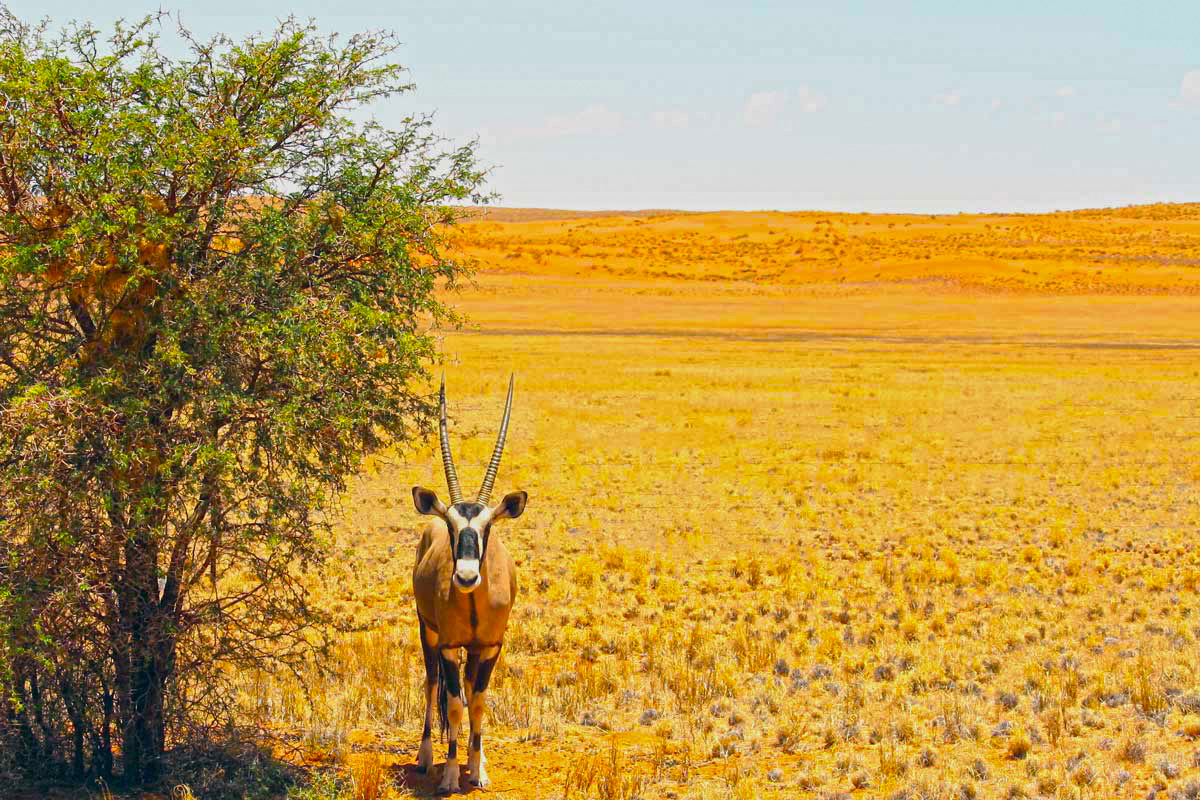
<point>891,541</point>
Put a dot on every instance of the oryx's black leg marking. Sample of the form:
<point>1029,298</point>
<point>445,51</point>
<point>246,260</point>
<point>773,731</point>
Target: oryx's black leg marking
<point>476,762</point>
<point>452,682</point>
<point>432,672</point>
<point>453,701</point>
<point>484,675</point>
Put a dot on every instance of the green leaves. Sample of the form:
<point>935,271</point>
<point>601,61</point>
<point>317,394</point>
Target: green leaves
<point>216,290</point>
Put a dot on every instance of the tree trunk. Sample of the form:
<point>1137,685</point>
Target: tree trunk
<point>77,753</point>
<point>143,620</point>
<point>102,756</point>
<point>147,684</point>
<point>74,701</point>
<point>120,658</point>
<point>18,719</point>
<point>49,740</point>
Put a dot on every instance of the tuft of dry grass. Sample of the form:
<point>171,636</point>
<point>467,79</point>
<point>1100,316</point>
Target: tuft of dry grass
<point>1019,745</point>
<point>368,778</point>
<point>608,776</point>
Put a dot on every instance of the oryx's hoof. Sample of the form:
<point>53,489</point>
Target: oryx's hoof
<point>449,784</point>
<point>479,776</point>
<point>425,757</point>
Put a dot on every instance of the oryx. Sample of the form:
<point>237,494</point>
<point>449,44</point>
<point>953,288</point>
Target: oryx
<point>464,582</point>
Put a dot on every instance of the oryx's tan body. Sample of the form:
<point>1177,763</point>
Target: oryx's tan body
<point>473,621</point>
<point>464,582</point>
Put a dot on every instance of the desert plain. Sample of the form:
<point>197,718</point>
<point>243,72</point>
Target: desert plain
<point>821,505</point>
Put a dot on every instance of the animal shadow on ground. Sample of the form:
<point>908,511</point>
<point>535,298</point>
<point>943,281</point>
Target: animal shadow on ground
<point>425,784</point>
<point>422,784</point>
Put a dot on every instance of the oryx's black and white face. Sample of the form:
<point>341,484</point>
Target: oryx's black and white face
<point>469,525</point>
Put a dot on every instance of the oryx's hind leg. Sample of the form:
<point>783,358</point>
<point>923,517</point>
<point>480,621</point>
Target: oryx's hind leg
<point>468,681</point>
<point>472,666</point>
<point>430,651</point>
<point>454,712</point>
<point>481,675</point>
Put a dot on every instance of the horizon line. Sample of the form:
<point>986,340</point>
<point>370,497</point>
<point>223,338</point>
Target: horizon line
<point>659,211</point>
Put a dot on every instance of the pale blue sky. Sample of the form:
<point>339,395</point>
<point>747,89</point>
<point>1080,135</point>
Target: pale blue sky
<point>873,106</point>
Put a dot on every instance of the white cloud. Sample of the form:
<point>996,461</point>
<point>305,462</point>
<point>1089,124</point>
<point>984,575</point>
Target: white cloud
<point>950,98</point>
<point>591,120</point>
<point>1189,87</point>
<point>670,118</point>
<point>810,102</point>
<point>763,108</point>
<point>1066,91</point>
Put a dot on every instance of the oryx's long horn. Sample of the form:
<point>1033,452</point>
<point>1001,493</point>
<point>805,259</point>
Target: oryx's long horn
<point>489,477</point>
<point>456,494</point>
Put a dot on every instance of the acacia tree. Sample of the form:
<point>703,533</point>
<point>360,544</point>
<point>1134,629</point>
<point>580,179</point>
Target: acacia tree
<point>216,289</point>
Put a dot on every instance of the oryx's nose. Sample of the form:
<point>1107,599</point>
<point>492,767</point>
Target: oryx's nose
<point>466,573</point>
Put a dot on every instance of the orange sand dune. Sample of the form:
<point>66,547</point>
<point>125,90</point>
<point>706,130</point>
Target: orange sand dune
<point>1133,250</point>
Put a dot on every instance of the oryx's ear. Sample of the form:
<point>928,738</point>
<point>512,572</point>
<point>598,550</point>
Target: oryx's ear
<point>427,502</point>
<point>511,507</point>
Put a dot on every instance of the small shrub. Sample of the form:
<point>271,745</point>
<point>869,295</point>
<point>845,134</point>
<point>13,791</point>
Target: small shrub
<point>1189,791</point>
<point>979,770</point>
<point>1133,751</point>
<point>1084,775</point>
<point>1018,745</point>
<point>1190,727</point>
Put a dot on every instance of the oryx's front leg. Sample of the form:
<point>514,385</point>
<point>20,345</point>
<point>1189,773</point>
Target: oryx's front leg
<point>430,651</point>
<point>481,675</point>
<point>454,713</point>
